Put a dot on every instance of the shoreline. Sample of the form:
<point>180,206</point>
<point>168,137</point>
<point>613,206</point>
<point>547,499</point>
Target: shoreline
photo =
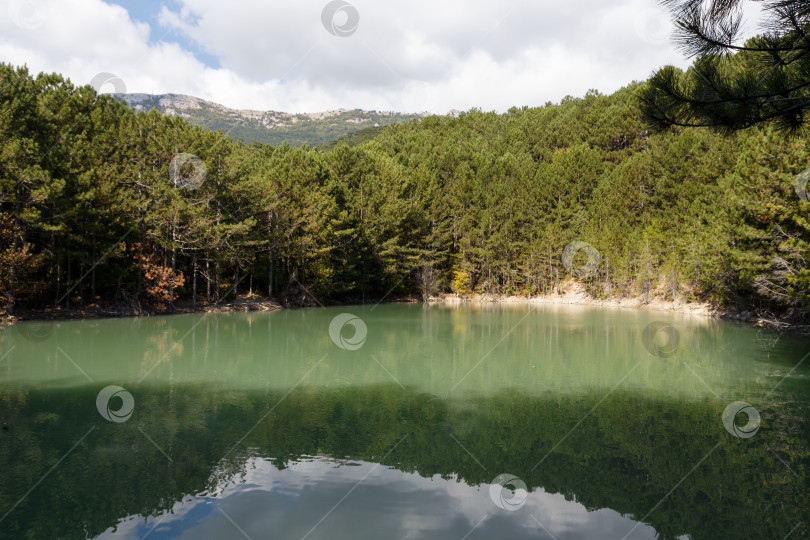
<point>574,294</point>
<point>571,293</point>
<point>103,311</point>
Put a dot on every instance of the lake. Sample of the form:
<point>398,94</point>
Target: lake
<point>404,421</point>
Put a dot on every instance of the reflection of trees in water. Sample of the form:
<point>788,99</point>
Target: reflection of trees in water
<point>626,455</point>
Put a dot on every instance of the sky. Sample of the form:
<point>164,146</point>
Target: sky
<point>315,55</point>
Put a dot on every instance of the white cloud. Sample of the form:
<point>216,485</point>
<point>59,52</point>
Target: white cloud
<point>406,56</point>
<point>384,502</point>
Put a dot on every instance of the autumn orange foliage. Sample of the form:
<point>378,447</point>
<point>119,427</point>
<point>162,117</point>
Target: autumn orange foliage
<point>160,282</point>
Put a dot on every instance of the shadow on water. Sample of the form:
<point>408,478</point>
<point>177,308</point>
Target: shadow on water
<point>630,453</point>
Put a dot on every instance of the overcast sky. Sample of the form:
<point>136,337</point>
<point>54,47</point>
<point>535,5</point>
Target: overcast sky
<point>315,55</point>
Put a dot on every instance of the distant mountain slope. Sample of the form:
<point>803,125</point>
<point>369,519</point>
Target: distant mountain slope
<point>270,127</point>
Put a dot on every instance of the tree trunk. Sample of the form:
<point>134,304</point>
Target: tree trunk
<point>270,275</point>
<point>174,268</point>
<point>216,282</point>
<point>236,278</point>
<point>10,295</point>
<point>93,273</point>
<point>67,294</point>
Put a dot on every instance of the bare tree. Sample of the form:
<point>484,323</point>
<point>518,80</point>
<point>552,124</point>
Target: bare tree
<point>428,280</point>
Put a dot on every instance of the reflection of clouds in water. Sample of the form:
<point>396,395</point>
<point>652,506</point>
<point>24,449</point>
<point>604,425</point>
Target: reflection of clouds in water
<point>388,503</point>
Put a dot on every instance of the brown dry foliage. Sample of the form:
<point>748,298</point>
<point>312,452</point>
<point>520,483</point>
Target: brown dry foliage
<point>160,282</point>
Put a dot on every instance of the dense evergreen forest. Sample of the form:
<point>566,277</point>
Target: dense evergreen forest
<point>95,207</point>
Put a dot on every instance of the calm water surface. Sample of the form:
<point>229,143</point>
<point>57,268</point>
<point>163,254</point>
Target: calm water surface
<point>402,423</point>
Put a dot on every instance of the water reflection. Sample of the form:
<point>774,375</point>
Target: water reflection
<point>626,456</point>
<point>227,412</point>
<point>321,498</point>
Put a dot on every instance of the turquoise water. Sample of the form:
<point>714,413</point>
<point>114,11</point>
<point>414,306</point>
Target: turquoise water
<point>402,422</point>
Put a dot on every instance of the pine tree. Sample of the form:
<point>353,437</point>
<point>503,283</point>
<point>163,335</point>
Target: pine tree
<point>733,86</point>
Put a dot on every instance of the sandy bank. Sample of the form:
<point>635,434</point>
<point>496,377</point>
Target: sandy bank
<point>573,293</point>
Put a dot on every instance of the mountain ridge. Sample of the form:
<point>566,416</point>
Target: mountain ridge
<point>270,127</point>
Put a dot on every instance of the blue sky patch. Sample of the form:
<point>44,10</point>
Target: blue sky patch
<point>147,11</point>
